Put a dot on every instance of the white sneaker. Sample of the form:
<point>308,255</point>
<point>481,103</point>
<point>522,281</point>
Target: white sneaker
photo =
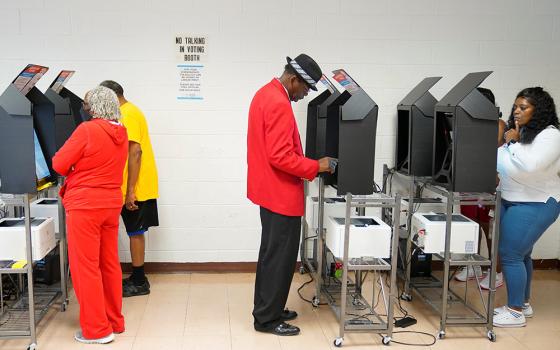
<point>105,340</point>
<point>527,310</point>
<point>485,283</point>
<point>508,318</point>
<point>462,275</point>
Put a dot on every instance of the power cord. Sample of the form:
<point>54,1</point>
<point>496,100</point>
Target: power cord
<point>7,319</point>
<point>302,286</point>
<point>413,344</point>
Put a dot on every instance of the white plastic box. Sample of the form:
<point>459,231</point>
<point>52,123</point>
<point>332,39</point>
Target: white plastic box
<point>434,207</point>
<point>334,206</point>
<point>428,232</point>
<point>46,208</point>
<point>369,237</point>
<point>12,238</point>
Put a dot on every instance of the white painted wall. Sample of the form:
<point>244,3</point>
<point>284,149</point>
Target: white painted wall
<point>388,46</point>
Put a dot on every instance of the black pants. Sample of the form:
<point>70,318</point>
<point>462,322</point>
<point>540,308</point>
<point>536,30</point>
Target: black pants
<point>275,268</point>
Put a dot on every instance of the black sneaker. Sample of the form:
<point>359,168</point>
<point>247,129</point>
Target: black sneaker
<point>131,290</point>
<point>129,280</point>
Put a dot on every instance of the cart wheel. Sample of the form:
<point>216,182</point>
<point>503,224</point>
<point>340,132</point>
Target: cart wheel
<point>406,297</point>
<point>32,346</point>
<point>63,307</point>
<point>491,336</point>
<point>338,342</point>
<point>386,340</point>
<point>302,270</point>
<point>441,335</point>
<point>315,302</point>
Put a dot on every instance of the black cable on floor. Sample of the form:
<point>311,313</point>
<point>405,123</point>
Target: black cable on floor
<point>413,344</point>
<point>302,286</point>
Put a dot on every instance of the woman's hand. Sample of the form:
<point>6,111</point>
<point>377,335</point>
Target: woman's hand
<point>512,134</point>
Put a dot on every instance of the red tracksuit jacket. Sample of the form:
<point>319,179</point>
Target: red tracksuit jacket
<point>93,160</point>
<point>275,160</point>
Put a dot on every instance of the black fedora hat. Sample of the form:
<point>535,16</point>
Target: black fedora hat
<point>307,69</point>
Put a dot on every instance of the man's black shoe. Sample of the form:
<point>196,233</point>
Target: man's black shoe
<point>288,315</point>
<point>282,329</point>
<point>131,290</point>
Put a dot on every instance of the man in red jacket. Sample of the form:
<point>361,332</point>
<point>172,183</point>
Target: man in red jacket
<point>276,169</point>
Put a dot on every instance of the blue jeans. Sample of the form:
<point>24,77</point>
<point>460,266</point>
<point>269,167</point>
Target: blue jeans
<point>521,226</point>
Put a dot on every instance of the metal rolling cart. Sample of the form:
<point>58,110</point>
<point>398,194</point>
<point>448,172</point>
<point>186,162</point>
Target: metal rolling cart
<point>454,309</point>
<point>307,263</point>
<point>19,320</point>
<point>352,309</point>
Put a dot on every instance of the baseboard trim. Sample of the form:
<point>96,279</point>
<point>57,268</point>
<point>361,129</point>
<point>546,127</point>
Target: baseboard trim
<point>218,267</point>
<point>538,264</point>
<point>244,267</point>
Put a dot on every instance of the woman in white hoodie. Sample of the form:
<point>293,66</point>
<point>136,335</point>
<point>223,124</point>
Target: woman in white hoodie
<point>528,167</point>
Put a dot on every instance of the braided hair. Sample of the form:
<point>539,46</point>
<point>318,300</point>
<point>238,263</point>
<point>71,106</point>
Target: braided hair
<point>544,113</point>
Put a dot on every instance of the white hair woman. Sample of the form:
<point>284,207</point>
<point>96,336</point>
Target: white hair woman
<point>93,160</point>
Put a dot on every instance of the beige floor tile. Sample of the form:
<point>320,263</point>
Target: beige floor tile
<point>536,340</point>
<point>241,320</point>
<point>193,341</point>
<point>208,319</point>
<point>163,320</point>
<point>59,343</point>
<point>256,341</point>
<point>502,343</point>
<point>248,278</point>
<point>133,314</point>
<point>204,294</point>
<point>120,343</point>
<point>170,342</point>
<point>161,296</point>
<point>14,344</point>
<point>169,282</point>
<point>63,324</point>
<point>209,278</point>
<point>306,340</point>
<point>213,311</point>
<point>240,293</point>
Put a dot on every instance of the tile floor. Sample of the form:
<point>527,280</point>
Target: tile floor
<point>213,311</point>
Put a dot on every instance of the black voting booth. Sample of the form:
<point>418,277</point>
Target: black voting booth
<point>415,130</point>
<point>316,130</point>
<point>465,138</point>
<point>68,109</point>
<point>350,137</point>
<point>20,116</point>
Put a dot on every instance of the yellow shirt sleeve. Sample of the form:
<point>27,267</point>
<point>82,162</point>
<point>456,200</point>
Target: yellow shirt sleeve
<point>133,128</point>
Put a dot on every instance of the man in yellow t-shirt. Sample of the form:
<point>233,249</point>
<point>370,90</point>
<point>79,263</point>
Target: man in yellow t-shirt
<point>140,190</point>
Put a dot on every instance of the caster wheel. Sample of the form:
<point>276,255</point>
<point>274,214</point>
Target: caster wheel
<point>338,342</point>
<point>406,297</point>
<point>63,307</point>
<point>386,340</point>
<point>315,302</point>
<point>491,336</point>
<point>441,335</point>
<point>302,270</point>
<point>32,347</point>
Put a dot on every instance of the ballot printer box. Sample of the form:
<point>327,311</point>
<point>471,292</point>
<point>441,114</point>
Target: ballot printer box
<point>46,208</point>
<point>426,205</point>
<point>334,206</point>
<point>428,232</point>
<point>12,238</point>
<point>369,237</point>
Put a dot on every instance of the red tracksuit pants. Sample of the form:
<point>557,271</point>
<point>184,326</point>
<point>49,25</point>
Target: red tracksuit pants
<point>96,270</point>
